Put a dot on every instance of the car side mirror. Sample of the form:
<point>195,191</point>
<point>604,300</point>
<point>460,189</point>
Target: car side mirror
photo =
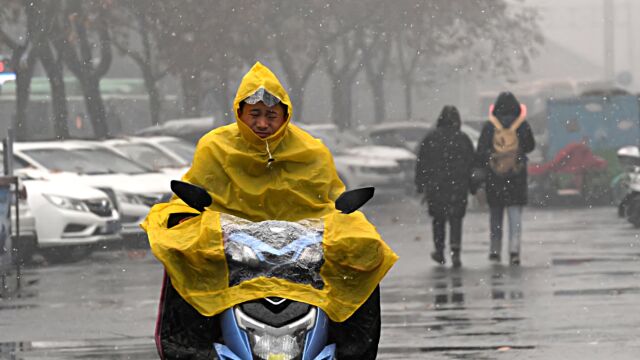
<point>193,195</point>
<point>353,200</point>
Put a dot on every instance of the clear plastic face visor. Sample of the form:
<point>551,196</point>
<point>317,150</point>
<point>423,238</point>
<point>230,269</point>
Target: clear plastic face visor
<point>262,95</point>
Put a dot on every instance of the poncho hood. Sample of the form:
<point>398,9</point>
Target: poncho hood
<point>232,164</point>
<point>259,76</point>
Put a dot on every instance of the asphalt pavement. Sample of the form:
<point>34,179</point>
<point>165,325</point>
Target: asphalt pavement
<point>575,295</point>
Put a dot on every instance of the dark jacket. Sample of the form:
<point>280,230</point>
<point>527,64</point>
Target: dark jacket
<point>444,165</point>
<point>510,190</point>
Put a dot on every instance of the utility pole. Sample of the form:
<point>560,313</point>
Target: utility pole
<point>609,50</point>
<point>631,38</point>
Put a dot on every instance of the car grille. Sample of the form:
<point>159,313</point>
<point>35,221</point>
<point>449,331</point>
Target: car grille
<point>111,194</point>
<point>100,207</point>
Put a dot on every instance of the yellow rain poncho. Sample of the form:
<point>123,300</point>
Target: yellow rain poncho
<point>300,182</point>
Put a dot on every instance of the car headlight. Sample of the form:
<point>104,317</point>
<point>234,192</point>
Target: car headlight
<point>64,202</point>
<point>128,198</point>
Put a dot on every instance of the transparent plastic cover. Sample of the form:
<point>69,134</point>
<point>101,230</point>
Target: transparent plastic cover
<point>288,250</point>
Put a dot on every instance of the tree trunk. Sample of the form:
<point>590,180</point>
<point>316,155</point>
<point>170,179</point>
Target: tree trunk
<point>55,72</point>
<point>341,109</point>
<point>223,97</point>
<point>95,106</point>
<point>379,105</point>
<point>191,82</point>
<point>408,98</point>
<point>298,106</point>
<point>59,105</point>
<point>155,103</point>
<point>24,74</point>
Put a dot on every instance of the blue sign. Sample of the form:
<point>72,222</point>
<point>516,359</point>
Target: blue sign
<point>602,123</point>
<point>5,228</point>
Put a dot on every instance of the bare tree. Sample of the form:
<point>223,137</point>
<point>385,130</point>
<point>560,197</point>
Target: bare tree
<point>186,41</point>
<point>484,34</point>
<point>134,20</point>
<point>85,26</point>
<point>23,58</point>
<point>296,39</point>
<point>343,65</point>
<point>375,40</point>
<point>53,65</point>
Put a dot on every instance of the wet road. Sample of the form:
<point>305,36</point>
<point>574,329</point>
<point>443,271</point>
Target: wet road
<point>574,297</point>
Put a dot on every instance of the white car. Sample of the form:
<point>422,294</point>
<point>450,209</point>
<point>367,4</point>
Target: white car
<point>177,148</point>
<point>191,129</point>
<point>131,187</point>
<point>169,155</point>
<point>360,164</point>
<point>71,215</point>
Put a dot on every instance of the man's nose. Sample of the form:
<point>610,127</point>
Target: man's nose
<point>262,123</point>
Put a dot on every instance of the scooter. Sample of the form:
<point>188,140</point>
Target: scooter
<point>626,186</point>
<point>272,328</point>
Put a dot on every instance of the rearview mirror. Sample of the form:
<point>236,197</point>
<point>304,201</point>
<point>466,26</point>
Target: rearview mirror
<point>193,195</point>
<point>353,200</point>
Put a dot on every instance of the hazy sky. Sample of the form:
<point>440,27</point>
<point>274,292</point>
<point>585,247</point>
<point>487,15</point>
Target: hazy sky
<point>578,25</point>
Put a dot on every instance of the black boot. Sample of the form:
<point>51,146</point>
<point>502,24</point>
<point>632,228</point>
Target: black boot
<point>514,259</point>
<point>494,257</point>
<point>455,259</point>
<point>438,256</point>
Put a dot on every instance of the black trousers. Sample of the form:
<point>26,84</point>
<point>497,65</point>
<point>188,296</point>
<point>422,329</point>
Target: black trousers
<point>455,233</point>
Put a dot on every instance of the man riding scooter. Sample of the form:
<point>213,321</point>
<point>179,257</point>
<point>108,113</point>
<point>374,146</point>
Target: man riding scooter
<point>262,169</point>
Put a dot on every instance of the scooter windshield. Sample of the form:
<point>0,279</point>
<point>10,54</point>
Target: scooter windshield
<point>288,250</point>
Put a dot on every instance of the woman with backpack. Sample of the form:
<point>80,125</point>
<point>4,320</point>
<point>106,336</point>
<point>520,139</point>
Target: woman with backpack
<point>504,142</point>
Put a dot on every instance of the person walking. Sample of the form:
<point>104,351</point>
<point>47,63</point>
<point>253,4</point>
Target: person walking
<point>504,142</point>
<point>443,170</point>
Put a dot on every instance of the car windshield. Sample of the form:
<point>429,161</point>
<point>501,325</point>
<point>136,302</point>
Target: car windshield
<point>182,148</point>
<point>148,155</point>
<point>90,161</point>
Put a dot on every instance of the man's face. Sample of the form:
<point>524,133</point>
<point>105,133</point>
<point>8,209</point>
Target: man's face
<point>263,120</point>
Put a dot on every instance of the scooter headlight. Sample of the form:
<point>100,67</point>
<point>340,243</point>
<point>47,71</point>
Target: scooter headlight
<point>270,347</point>
<point>269,343</point>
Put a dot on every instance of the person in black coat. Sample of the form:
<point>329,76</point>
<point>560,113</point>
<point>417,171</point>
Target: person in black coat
<point>443,170</point>
<point>508,191</point>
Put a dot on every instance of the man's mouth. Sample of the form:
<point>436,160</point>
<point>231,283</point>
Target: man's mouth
<point>262,134</point>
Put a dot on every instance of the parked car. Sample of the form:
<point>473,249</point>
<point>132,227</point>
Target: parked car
<point>71,218</point>
<point>149,152</point>
<point>61,219</point>
<point>409,134</point>
<point>191,129</point>
<point>131,187</point>
<point>361,164</point>
<point>178,148</point>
